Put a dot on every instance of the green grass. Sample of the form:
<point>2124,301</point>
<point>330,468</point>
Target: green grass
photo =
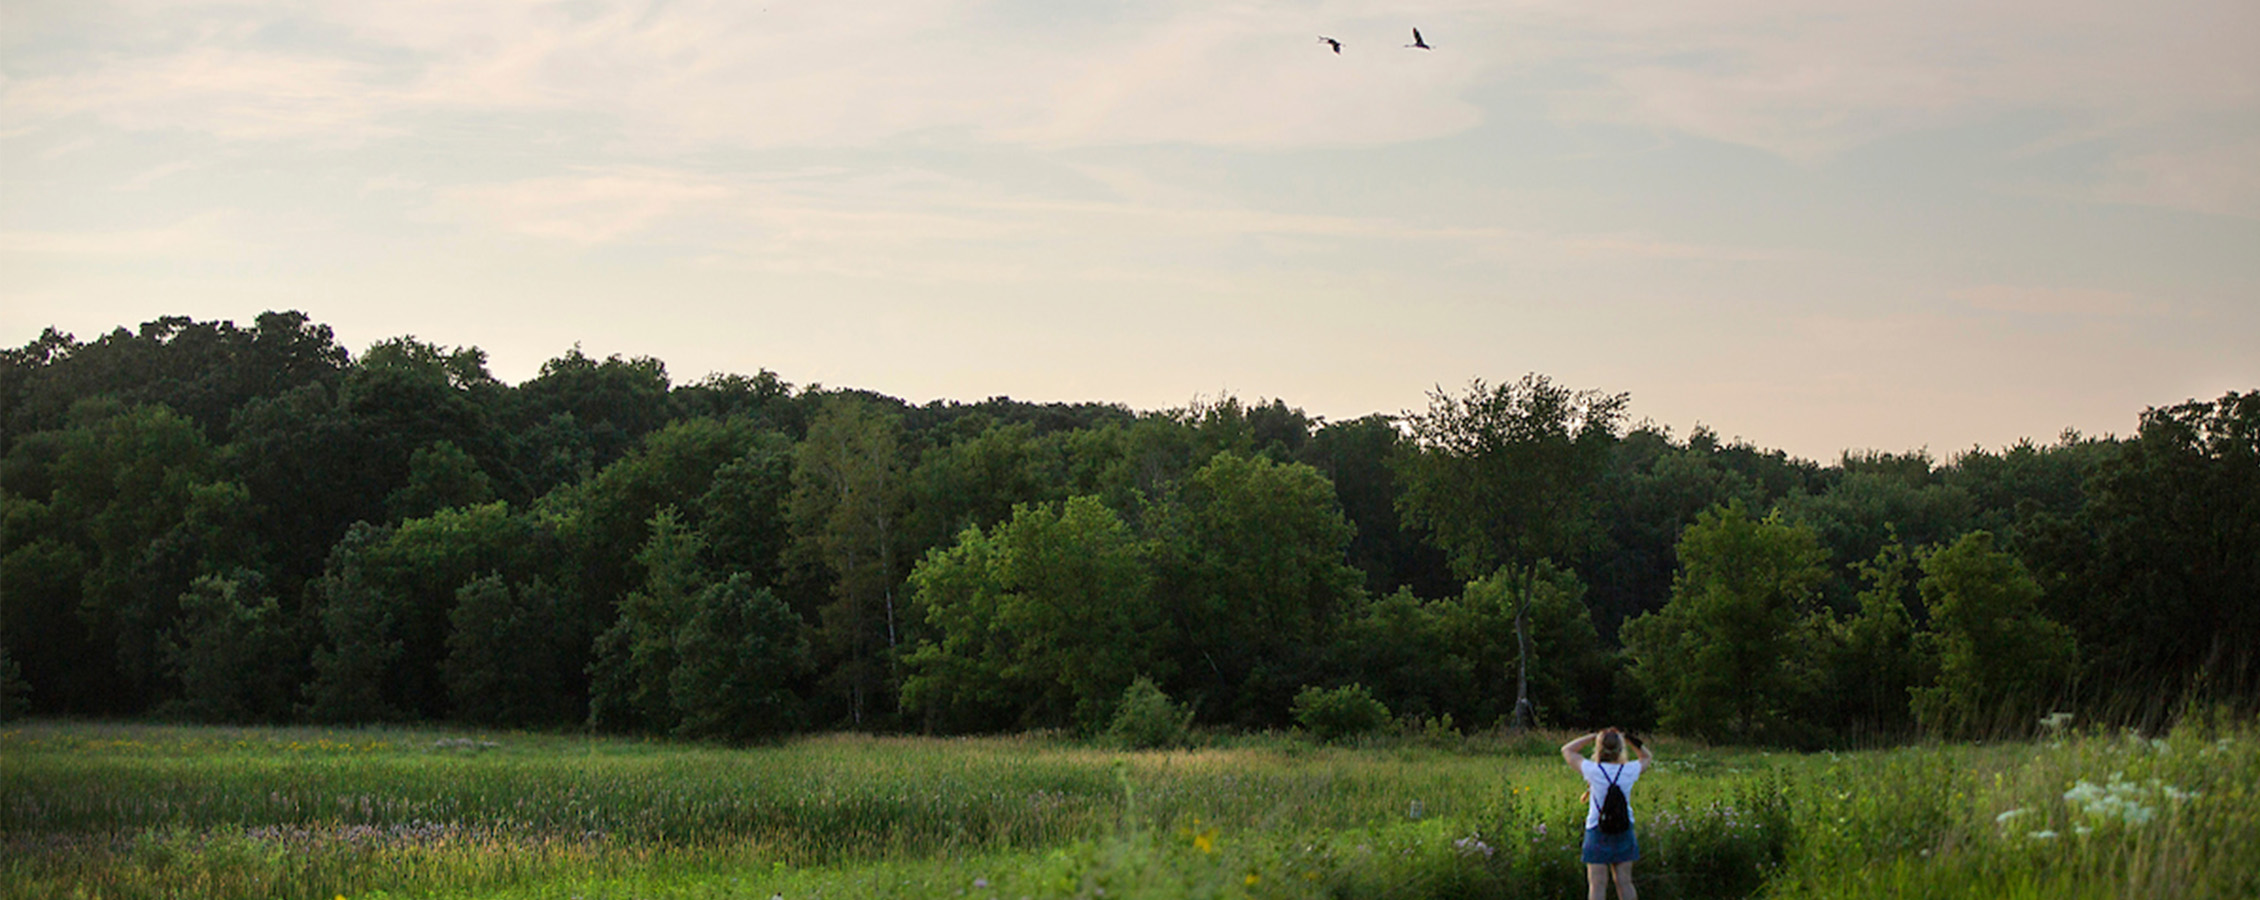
<point>127,811</point>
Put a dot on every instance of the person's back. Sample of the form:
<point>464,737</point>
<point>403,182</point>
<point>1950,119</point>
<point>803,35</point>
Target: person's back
<point>1612,842</point>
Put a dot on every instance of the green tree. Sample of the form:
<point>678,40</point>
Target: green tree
<point>120,481</point>
<point>739,655</point>
<point>1654,489</point>
<point>202,370</point>
<point>316,460</point>
<point>2001,664</point>
<point>1253,574</point>
<point>1568,664</point>
<point>2159,572</point>
<point>636,658</point>
<point>64,668</point>
<point>354,663</point>
<point>612,403</point>
<point>1043,621</point>
<point>1503,477</point>
<point>846,510</point>
<point>1345,712</point>
<point>1147,719</point>
<point>1878,498</point>
<point>505,663</point>
<point>606,520</point>
<point>231,652</point>
<point>1401,646</point>
<point>1874,665</point>
<point>974,480</point>
<point>1355,456</point>
<point>741,515</point>
<point>1721,658</point>
<point>440,476</point>
<point>15,693</point>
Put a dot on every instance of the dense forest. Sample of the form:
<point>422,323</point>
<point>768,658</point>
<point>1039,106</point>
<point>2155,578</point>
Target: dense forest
<point>230,524</point>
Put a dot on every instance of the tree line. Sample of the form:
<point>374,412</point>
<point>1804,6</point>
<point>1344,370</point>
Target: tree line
<point>234,524</point>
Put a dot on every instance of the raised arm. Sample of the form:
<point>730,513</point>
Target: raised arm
<point>1646,758</point>
<point>1573,752</point>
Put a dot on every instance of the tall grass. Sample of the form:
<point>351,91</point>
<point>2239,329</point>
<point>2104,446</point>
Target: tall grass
<point>111,811</point>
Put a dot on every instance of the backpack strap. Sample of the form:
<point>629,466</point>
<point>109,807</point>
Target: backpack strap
<point>1597,801</point>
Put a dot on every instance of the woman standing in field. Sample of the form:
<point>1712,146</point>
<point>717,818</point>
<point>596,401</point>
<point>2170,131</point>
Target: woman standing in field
<point>1610,845</point>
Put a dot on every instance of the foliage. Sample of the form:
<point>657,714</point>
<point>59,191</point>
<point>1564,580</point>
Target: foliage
<point>232,654</point>
<point>1252,574</point>
<point>1045,618</point>
<point>1504,476</point>
<point>1722,659</point>
<point>1872,661</point>
<point>1878,499</point>
<point>1345,712</point>
<point>633,674</point>
<point>507,663</point>
<point>360,647</point>
<point>396,587</point>
<point>2001,663</point>
<point>1569,667</point>
<point>1654,488</point>
<point>440,476</point>
<point>364,492</point>
<point>1356,457</point>
<point>737,658</point>
<point>1146,719</point>
<point>846,510</point>
<point>15,693</point>
<point>1500,474</point>
<point>2156,573</point>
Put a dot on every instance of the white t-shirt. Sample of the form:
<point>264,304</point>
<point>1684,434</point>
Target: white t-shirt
<point>1597,779</point>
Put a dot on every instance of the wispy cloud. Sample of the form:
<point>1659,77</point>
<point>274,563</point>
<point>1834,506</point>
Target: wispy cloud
<point>228,93</point>
<point>2056,301</point>
<point>201,234</point>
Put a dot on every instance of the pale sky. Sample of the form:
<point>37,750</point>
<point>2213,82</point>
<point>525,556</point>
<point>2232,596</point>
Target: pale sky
<point>1812,224</point>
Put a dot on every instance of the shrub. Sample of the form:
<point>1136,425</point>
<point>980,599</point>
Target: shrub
<point>1343,712</point>
<point>1148,719</point>
<point>15,694</point>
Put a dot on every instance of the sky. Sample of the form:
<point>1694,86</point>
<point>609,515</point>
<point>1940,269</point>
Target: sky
<point>1812,225</point>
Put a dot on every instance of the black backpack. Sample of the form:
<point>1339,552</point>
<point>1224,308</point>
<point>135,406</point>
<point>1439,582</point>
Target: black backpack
<point>1616,814</point>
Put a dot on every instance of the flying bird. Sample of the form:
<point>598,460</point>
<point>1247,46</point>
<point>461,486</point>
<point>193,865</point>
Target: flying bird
<point>1337,45</point>
<point>1418,43</point>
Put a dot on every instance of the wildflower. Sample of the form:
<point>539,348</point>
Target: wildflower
<point>981,883</point>
<point>2042,835</point>
<point>1251,880</point>
<point>2003,819</point>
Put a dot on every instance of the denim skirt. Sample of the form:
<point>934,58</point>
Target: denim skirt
<point>1610,849</point>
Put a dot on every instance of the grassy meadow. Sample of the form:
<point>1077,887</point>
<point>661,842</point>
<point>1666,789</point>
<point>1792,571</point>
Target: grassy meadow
<point>131,811</point>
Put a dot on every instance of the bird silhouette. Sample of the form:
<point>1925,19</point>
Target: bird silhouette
<point>1417,43</point>
<point>1337,45</point>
